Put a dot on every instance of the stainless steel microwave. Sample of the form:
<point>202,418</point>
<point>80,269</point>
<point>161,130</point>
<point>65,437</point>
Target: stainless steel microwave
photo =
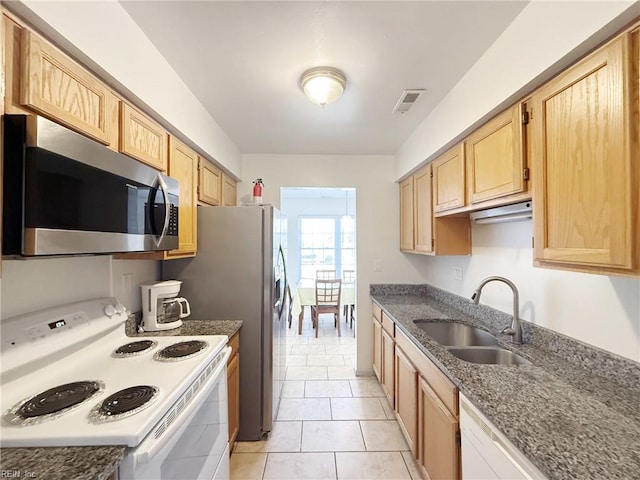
<point>64,194</point>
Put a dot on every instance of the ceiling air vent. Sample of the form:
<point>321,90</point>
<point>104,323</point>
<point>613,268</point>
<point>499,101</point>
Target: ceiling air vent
<point>407,99</point>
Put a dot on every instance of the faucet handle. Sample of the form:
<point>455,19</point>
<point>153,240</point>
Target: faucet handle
<point>508,330</point>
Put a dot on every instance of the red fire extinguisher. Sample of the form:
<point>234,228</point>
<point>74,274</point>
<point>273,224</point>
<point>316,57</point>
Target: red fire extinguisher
<point>257,190</point>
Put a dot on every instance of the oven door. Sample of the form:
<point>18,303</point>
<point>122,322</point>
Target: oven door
<point>194,446</point>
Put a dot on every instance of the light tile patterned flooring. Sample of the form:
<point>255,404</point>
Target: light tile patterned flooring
<point>331,424</point>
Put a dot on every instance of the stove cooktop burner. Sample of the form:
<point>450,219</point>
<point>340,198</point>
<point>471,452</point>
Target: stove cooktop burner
<point>134,348</point>
<point>124,403</point>
<point>52,403</point>
<point>181,351</point>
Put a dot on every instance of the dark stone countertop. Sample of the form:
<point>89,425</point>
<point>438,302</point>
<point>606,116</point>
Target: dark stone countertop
<point>94,463</point>
<point>575,412</point>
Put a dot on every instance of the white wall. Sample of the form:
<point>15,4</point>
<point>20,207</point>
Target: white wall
<point>546,37</point>
<point>377,213</point>
<point>29,285</point>
<point>104,34</point>
<point>597,309</point>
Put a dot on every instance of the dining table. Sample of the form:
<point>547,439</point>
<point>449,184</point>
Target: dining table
<point>305,296</point>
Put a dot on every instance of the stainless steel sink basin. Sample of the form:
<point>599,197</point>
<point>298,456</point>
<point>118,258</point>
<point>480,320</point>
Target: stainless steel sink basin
<point>496,356</point>
<point>454,334</point>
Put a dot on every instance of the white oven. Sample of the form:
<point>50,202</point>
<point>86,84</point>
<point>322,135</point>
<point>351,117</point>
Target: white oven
<point>71,377</point>
<point>193,447</point>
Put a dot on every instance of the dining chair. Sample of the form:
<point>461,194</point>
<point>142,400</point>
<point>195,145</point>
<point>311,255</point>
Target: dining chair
<point>349,278</point>
<point>327,301</point>
<point>325,274</point>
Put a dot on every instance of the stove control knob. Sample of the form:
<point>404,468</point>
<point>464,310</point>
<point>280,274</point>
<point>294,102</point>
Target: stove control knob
<point>120,309</point>
<point>109,310</point>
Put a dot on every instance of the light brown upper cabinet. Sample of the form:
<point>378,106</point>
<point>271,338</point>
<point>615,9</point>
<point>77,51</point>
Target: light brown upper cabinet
<point>229,191</point>
<point>423,211</point>
<point>142,138</point>
<point>449,179</point>
<point>57,87</point>
<point>406,215</point>
<point>495,157</point>
<point>584,133</point>
<point>183,166</point>
<point>209,183</point>
<point>420,232</point>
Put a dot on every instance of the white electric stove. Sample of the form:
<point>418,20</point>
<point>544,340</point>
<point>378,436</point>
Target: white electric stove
<point>71,377</point>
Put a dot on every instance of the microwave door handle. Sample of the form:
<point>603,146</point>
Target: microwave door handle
<point>167,206</point>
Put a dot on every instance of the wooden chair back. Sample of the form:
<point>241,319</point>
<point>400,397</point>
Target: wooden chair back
<point>328,293</point>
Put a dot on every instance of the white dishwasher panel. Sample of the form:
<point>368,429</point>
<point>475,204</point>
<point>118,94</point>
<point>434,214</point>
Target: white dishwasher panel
<point>486,452</point>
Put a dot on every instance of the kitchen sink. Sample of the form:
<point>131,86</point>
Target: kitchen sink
<point>496,356</point>
<point>454,334</point>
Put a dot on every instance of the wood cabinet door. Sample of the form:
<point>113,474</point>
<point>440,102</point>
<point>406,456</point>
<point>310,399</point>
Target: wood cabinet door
<point>388,367</point>
<point>58,88</point>
<point>142,138</point>
<point>377,349</point>
<point>449,179</point>
<point>439,450</point>
<point>209,182</point>
<point>423,210</point>
<point>585,159</point>
<point>406,215</point>
<point>407,399</point>
<point>233,389</point>
<point>495,157</point>
<point>183,166</point>
<point>229,191</point>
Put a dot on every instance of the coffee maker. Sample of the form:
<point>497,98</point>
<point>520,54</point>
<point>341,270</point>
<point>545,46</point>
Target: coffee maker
<point>162,309</point>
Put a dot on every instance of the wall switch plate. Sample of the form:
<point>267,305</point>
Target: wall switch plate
<point>457,272</point>
<point>377,265</point>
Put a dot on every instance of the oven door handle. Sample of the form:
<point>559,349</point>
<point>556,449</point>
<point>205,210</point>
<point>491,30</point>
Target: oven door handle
<point>145,454</point>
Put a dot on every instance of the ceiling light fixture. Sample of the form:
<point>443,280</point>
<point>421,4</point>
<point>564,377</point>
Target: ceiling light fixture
<point>323,85</point>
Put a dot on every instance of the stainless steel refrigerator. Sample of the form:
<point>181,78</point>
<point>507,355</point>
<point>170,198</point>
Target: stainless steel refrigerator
<point>239,273</point>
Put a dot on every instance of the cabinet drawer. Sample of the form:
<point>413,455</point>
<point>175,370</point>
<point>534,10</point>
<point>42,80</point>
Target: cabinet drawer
<point>229,191</point>
<point>377,312</point>
<point>234,343</point>
<point>446,391</point>
<point>142,138</point>
<point>388,325</point>
<point>58,88</point>
<point>209,182</point>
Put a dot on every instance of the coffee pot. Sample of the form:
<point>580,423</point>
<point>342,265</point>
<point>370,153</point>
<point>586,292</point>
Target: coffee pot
<point>162,309</point>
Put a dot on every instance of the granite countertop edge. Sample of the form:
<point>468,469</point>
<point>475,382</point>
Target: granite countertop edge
<point>96,462</point>
<point>571,422</point>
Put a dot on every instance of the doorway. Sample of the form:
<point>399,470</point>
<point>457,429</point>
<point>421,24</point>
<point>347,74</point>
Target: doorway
<point>321,230</point>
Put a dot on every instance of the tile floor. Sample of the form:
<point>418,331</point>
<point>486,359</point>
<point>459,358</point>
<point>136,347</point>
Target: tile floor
<point>331,424</point>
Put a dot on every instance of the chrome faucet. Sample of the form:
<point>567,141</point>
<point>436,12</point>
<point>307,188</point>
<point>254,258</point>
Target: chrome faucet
<point>515,330</point>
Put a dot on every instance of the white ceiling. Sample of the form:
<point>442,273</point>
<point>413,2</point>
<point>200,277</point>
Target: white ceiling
<point>242,60</point>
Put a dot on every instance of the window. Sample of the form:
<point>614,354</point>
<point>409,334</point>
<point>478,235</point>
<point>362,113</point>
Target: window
<point>326,243</point>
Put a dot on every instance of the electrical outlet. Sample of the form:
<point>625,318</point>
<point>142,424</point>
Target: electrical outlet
<point>457,272</point>
<point>377,265</point>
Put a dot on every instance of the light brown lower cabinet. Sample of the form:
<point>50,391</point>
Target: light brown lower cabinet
<point>424,399</point>
<point>407,399</point>
<point>388,369</point>
<point>233,389</point>
<point>377,348</point>
<point>439,448</point>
